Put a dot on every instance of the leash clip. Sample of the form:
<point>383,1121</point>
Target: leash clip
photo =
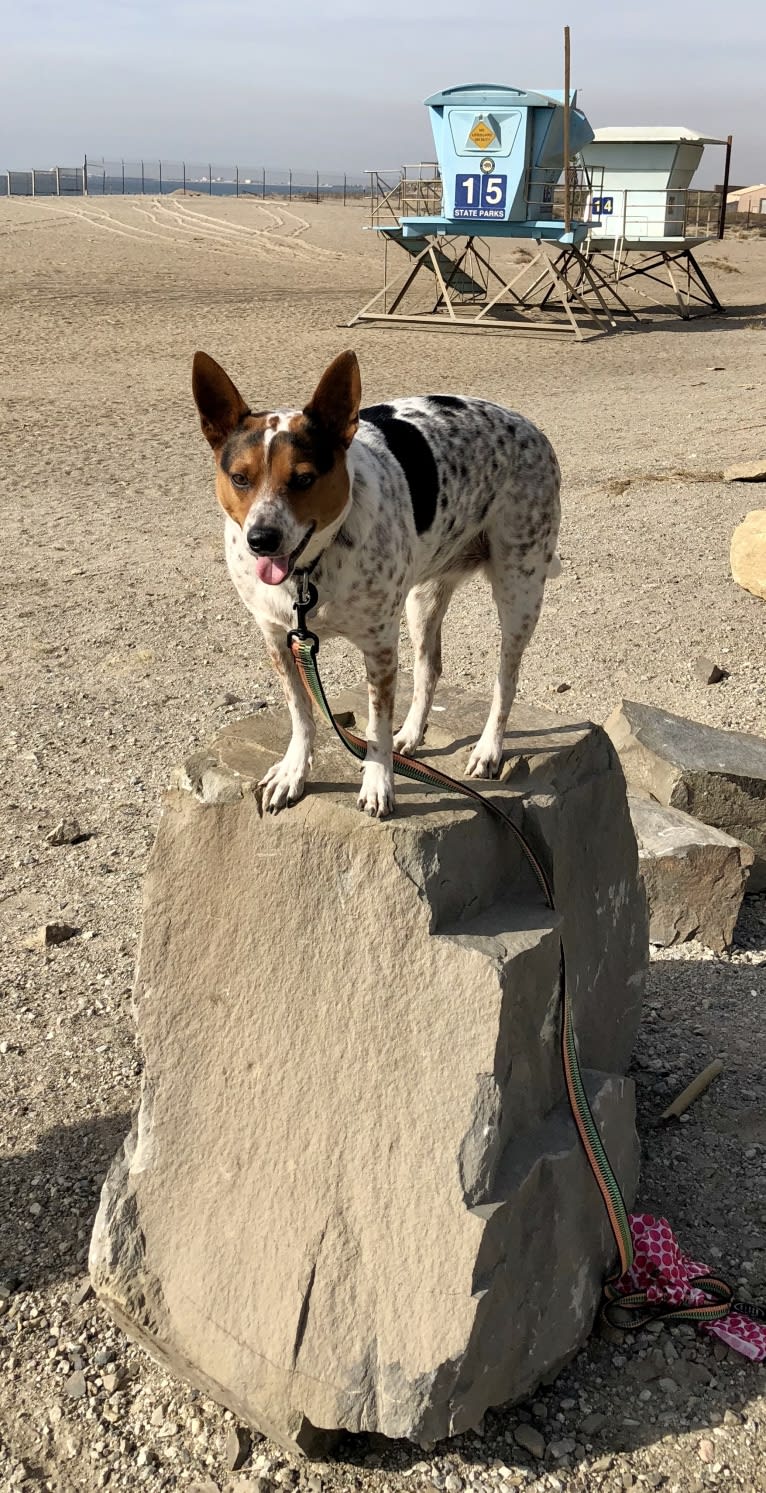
<point>307,599</point>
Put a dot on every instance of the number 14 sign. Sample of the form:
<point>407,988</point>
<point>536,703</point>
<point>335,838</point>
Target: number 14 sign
<point>480,196</point>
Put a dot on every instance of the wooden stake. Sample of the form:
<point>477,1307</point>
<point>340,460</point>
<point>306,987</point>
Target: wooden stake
<point>693,1091</point>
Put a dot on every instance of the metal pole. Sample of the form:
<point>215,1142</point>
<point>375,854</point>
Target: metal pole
<point>142,178</point>
<point>103,182</point>
<point>344,189</point>
<point>159,163</point>
<point>567,204</point>
<point>290,185</point>
<point>183,164</point>
<point>317,186</point>
<point>236,168</point>
<point>209,181</point>
<point>263,174</point>
<point>34,186</point>
<point>58,182</point>
<point>724,189</point>
<point>85,177</point>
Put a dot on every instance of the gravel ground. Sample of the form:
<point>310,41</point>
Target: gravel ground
<point>122,647</point>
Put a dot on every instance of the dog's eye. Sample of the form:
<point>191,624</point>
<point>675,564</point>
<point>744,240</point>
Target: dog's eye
<point>302,480</point>
<point>239,479</point>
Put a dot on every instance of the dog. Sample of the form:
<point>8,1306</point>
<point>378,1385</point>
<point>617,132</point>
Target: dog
<point>388,508</point>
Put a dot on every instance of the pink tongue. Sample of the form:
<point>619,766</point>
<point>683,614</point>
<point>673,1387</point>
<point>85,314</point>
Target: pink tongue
<point>272,571</point>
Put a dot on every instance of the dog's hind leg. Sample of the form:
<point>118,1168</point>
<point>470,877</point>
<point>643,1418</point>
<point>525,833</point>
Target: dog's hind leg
<point>376,796</point>
<point>426,605</point>
<point>518,582</point>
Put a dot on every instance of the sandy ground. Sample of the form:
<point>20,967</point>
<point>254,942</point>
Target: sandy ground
<point>121,638</point>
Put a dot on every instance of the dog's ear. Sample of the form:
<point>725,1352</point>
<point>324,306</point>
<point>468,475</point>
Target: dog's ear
<point>335,402</point>
<point>220,404</point>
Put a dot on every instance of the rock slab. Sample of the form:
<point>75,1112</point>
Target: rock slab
<point>748,553</point>
<point>718,777</point>
<point>694,876</point>
<point>353,1196</point>
<point>746,471</point>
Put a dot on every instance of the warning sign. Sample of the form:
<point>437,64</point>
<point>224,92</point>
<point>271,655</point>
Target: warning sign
<point>481,135</point>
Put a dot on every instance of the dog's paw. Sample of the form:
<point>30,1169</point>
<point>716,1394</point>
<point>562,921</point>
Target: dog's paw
<point>408,740</point>
<point>484,761</point>
<point>376,796</point>
<point>283,784</point>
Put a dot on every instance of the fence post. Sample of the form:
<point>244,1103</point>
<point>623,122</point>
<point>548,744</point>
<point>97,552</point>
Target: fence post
<point>103,182</point>
<point>344,189</point>
<point>183,164</point>
<point>263,174</point>
<point>33,181</point>
<point>85,177</point>
<point>236,168</point>
<point>209,180</point>
<point>123,178</point>
<point>290,184</point>
<point>317,186</point>
<point>58,182</point>
<point>159,163</point>
<point>142,178</point>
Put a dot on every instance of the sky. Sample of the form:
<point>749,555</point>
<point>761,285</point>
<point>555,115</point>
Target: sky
<point>339,86</point>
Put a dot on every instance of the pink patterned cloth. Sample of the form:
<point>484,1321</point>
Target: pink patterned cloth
<point>662,1270</point>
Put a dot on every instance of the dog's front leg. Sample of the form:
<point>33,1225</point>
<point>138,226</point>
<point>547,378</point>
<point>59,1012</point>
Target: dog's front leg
<point>283,784</point>
<point>377,792</point>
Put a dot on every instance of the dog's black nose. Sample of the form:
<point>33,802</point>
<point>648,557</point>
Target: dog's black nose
<point>263,541</point>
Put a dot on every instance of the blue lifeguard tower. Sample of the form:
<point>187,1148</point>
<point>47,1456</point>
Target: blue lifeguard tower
<point>504,170</point>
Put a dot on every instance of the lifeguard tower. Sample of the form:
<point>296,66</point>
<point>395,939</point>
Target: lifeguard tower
<point>501,153</point>
<point>645,219</point>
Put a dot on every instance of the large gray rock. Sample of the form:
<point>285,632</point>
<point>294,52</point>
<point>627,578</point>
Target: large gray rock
<point>694,876</point>
<point>716,776</point>
<point>354,1196</point>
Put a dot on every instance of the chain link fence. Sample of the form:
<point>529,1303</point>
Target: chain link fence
<point>101,178</point>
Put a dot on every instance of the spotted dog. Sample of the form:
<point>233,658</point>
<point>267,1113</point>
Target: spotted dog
<point>388,507</point>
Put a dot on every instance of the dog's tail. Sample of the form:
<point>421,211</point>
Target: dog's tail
<point>554,569</point>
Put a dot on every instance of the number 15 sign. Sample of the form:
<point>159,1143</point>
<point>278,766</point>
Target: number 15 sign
<point>480,196</point>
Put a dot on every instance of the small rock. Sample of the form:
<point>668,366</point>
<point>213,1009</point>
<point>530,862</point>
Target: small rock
<point>75,1386</point>
<point>706,1449</point>
<point>49,934</point>
<point>157,1417</point>
<point>539,1410</point>
<point>204,1485</point>
<point>66,832</point>
<point>707,671</point>
<point>111,1382</point>
<point>230,698</point>
<point>592,1423</point>
<point>562,1448</point>
<point>602,1464</point>
<point>238,1447</point>
<point>531,1440</point>
<point>562,688</point>
<point>145,1457</point>
<point>81,1295</point>
<point>453,1483</point>
<point>746,471</point>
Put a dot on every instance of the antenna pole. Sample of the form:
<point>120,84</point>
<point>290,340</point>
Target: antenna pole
<point>724,189</point>
<point>567,203</point>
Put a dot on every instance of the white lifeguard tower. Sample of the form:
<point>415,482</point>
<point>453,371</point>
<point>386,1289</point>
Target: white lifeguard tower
<point>645,217</point>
